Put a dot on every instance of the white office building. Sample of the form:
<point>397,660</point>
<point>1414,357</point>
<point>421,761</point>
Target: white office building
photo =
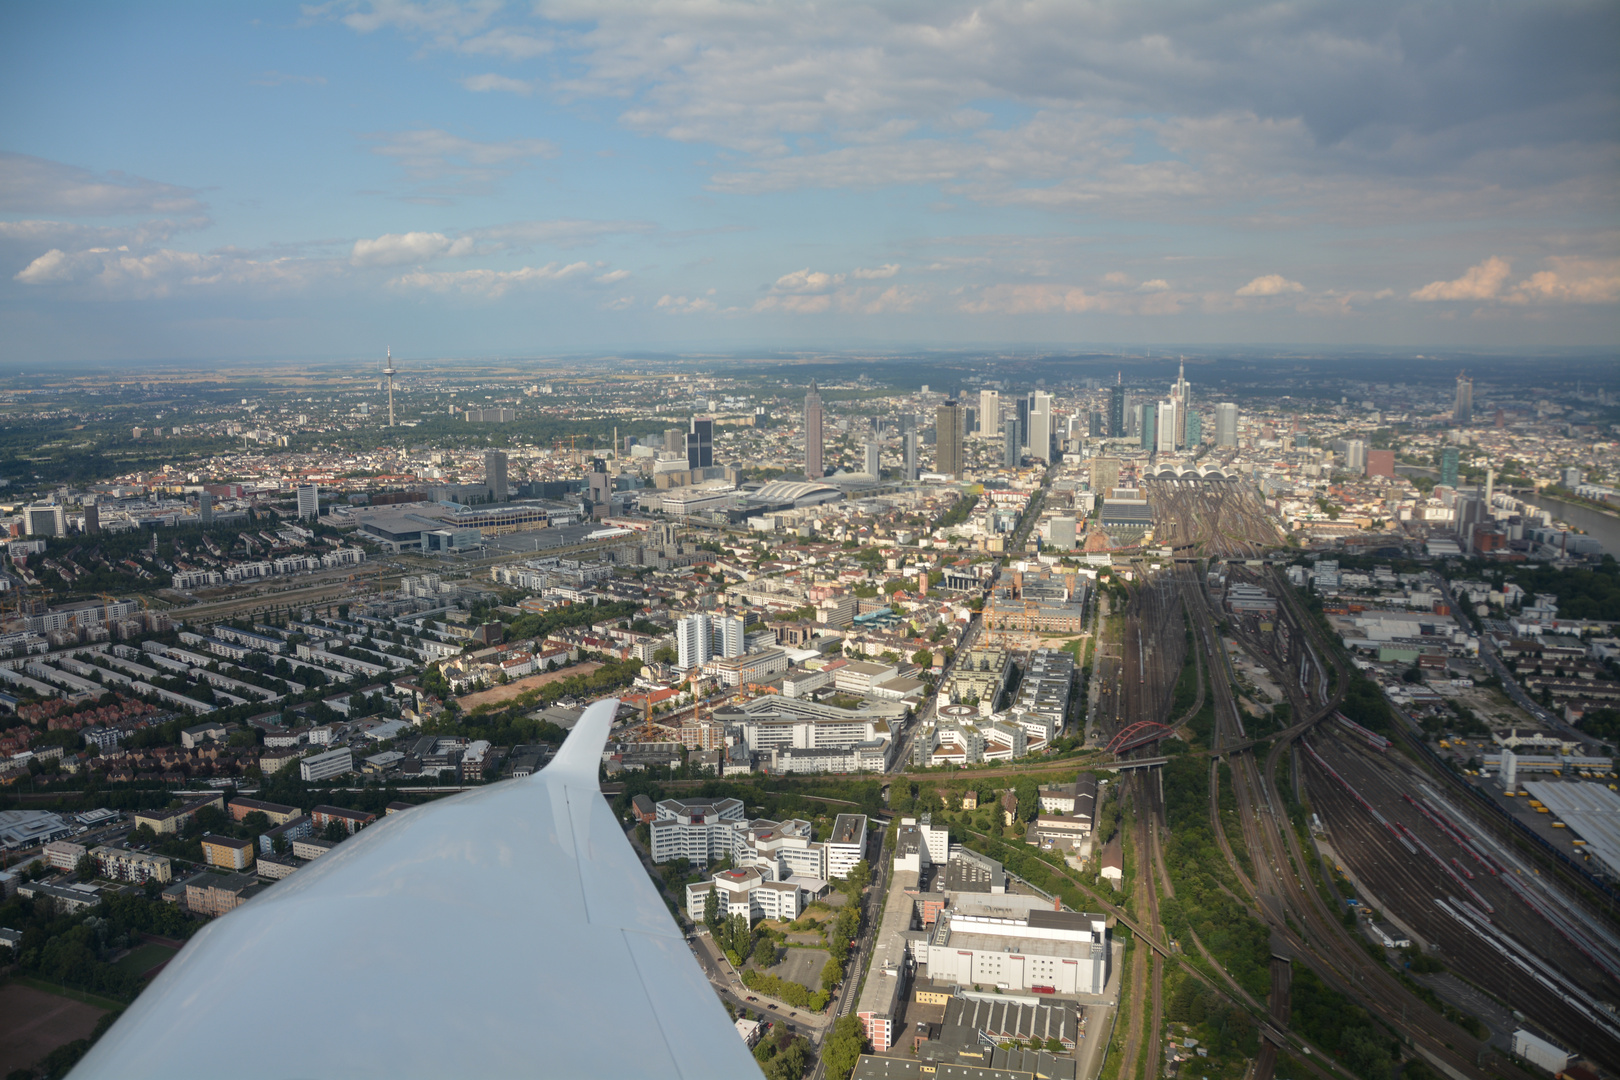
<point>697,830</point>
<point>1226,420</point>
<point>309,501</point>
<point>989,412</point>
<point>1167,427</point>
<point>747,893</point>
<point>327,765</point>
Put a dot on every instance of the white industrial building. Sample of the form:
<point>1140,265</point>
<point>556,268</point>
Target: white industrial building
<point>1061,952</point>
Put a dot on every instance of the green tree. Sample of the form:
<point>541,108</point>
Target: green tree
<point>711,911</point>
<point>844,1047</point>
<point>764,952</point>
<point>832,973</point>
<point>86,870</point>
<point>923,658</point>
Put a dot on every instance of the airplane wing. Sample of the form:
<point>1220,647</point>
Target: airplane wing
<point>504,932</point>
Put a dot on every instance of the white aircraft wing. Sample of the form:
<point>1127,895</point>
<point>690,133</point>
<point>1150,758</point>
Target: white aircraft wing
<point>504,932</point>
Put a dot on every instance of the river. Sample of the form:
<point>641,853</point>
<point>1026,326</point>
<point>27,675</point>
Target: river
<point>1604,527</point>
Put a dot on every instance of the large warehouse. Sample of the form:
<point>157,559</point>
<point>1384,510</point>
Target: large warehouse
<point>1590,811</point>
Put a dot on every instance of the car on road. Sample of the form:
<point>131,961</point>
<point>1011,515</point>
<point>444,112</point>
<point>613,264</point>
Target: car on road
<point>770,1006</point>
<point>751,997</point>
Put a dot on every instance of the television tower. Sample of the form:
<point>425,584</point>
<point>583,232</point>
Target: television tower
<point>390,371</point>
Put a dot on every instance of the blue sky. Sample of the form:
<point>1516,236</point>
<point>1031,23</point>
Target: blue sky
<point>244,180</point>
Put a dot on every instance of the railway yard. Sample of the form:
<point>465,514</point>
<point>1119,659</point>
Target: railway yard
<point>1505,927</point>
<point>1218,518</point>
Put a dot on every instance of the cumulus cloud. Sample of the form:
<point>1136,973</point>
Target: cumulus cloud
<point>488,83</point>
<point>611,276</point>
<point>887,270</point>
<point>31,185</point>
<point>1270,285</point>
<point>807,281</point>
<point>1571,280</point>
<point>1481,282</point>
<point>1156,285</point>
<point>491,283</point>
<point>394,249</point>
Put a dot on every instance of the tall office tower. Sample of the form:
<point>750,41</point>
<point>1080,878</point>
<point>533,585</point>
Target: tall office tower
<point>700,443</point>
<point>1116,410</point>
<point>1570,477</point>
<point>874,458</point>
<point>1040,426</point>
<point>674,440</point>
<point>694,642</point>
<point>92,518</point>
<point>1167,427</point>
<point>1195,430</point>
<point>309,501</point>
<point>1094,424</point>
<point>989,412</point>
<point>495,474</point>
<point>1104,476</point>
<point>1226,425</point>
<point>1147,416</point>
<point>1010,456</point>
<point>909,443</point>
<point>728,635</point>
<point>1021,413</point>
<point>1462,411</point>
<point>1355,456</point>
<point>205,511</point>
<point>948,438</point>
<point>1448,467</point>
<point>814,468</point>
<point>389,370</point>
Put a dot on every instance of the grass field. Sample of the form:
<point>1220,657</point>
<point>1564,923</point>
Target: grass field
<point>144,958</point>
<point>38,1020</point>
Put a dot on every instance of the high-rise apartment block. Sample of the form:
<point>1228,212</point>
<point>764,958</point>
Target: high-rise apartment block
<point>309,501</point>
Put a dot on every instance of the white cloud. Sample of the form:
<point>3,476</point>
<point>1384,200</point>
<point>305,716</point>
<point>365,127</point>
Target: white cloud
<point>60,234</point>
<point>1156,285</point>
<point>561,232</point>
<point>685,305</point>
<point>491,283</point>
<point>806,281</point>
<point>31,185</point>
<point>1481,282</point>
<point>118,273</point>
<point>612,276</point>
<point>1270,285</point>
<point>394,249</point>
<point>488,83</point>
<point>1571,280</point>
<point>887,270</point>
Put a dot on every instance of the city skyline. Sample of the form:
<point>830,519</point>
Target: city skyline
<point>487,180</point>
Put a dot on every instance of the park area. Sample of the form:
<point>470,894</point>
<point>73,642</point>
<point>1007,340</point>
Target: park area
<point>500,695</point>
<point>37,1022</point>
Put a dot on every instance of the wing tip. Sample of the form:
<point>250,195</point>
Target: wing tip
<point>578,761</point>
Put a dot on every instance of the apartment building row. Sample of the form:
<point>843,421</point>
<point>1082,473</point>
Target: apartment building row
<point>708,830</point>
